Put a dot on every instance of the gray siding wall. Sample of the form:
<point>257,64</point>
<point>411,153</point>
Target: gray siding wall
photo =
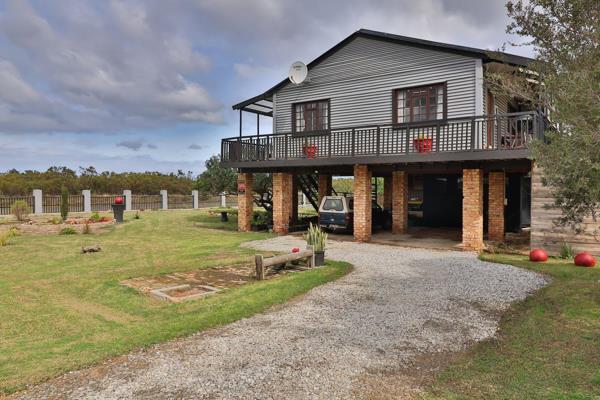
<point>360,77</point>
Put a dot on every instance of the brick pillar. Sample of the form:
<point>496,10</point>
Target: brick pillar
<point>282,202</point>
<point>387,192</point>
<point>245,201</point>
<point>294,207</point>
<point>496,195</point>
<point>399,202</point>
<point>325,185</point>
<point>362,203</point>
<point>472,229</point>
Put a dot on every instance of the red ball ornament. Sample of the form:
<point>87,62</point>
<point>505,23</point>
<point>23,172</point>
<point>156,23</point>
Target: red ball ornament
<point>538,255</point>
<point>119,200</point>
<point>585,260</point>
<point>296,250</point>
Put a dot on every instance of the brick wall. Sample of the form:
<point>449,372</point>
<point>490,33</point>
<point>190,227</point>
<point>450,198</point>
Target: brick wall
<point>245,201</point>
<point>472,229</point>
<point>282,202</point>
<point>362,203</point>
<point>496,196</point>
<point>399,202</point>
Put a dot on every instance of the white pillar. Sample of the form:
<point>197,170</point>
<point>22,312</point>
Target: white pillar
<point>127,194</point>
<point>223,200</point>
<point>195,199</point>
<point>38,207</point>
<point>165,199</point>
<point>87,200</point>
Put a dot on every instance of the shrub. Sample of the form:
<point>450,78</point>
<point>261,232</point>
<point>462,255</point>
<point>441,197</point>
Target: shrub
<point>64,203</point>
<point>67,231</point>
<point>14,231</point>
<point>7,235</point>
<point>316,238</point>
<point>86,229</point>
<point>20,210</point>
<point>55,220</point>
<point>566,251</point>
<point>262,218</point>
<point>95,217</point>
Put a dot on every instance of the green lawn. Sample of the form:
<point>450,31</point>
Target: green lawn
<point>548,346</point>
<point>61,310</point>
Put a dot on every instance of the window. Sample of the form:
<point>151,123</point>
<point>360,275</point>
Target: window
<point>418,104</point>
<point>333,205</point>
<point>311,116</point>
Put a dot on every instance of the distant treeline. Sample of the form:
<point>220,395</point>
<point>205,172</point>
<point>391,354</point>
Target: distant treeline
<point>14,183</point>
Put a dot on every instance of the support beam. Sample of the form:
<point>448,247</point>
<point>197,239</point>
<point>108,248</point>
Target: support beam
<point>472,229</point>
<point>399,202</point>
<point>496,196</point>
<point>362,203</point>
<point>325,186</point>
<point>245,201</point>
<point>282,202</point>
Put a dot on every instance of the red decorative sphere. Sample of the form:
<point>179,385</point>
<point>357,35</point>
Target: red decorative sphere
<point>585,260</point>
<point>296,250</point>
<point>119,200</point>
<point>538,255</point>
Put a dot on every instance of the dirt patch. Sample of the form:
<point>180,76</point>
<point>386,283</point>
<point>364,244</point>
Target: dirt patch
<point>48,228</point>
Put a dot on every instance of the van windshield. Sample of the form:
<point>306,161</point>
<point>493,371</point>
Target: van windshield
<point>333,205</point>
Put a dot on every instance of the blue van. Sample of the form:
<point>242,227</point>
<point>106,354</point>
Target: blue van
<point>336,213</point>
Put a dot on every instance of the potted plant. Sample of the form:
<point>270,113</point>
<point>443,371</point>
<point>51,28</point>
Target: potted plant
<point>309,149</point>
<point>316,238</point>
<point>423,144</point>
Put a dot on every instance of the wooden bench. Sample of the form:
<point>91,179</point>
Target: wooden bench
<point>262,264</point>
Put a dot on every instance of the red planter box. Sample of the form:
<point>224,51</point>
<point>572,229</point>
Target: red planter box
<point>423,145</point>
<point>309,151</point>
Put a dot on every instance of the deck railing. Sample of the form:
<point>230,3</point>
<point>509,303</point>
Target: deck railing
<point>498,132</point>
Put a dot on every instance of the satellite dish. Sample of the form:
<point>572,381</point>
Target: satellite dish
<point>298,72</point>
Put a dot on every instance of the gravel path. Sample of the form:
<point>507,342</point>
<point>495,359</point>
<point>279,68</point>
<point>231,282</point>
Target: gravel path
<point>374,333</point>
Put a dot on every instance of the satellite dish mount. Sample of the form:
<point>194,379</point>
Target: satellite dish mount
<point>298,72</point>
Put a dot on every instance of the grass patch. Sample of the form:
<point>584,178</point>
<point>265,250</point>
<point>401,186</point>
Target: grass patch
<point>548,346</point>
<point>61,310</point>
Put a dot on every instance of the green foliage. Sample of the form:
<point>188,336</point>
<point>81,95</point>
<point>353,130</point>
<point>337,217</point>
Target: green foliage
<point>20,210</point>
<point>5,236</point>
<point>14,183</point>
<point>316,238</point>
<point>263,191</point>
<point>64,203</point>
<point>343,185</point>
<point>55,220</point>
<point>95,217</point>
<point>67,231</point>
<point>566,251</point>
<point>262,218</point>
<point>216,178</point>
<point>565,36</point>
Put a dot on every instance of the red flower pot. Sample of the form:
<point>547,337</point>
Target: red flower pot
<point>538,255</point>
<point>423,145</point>
<point>119,200</point>
<point>309,151</point>
<point>584,260</point>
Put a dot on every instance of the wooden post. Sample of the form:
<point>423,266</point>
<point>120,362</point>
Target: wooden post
<point>260,270</point>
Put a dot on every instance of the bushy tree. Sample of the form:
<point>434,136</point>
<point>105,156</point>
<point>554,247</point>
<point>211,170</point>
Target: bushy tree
<point>20,210</point>
<point>566,38</point>
<point>216,178</point>
<point>64,203</point>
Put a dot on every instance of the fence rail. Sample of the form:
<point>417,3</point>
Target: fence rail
<point>7,202</point>
<point>146,202</point>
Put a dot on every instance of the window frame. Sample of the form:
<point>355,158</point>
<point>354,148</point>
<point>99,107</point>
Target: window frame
<point>429,122</point>
<point>319,132</point>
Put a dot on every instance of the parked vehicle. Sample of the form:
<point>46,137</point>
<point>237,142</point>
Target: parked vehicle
<point>336,213</point>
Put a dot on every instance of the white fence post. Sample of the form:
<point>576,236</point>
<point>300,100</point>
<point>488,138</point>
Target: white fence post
<point>38,206</point>
<point>127,194</point>
<point>165,199</point>
<point>87,200</point>
<point>195,199</point>
<point>223,200</point>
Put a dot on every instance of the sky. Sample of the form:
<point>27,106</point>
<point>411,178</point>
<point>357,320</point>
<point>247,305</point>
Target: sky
<point>148,85</point>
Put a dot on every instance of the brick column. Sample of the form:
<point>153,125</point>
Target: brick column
<point>282,202</point>
<point>362,203</point>
<point>387,192</point>
<point>294,194</point>
<point>496,195</point>
<point>245,201</point>
<point>399,202</point>
<point>472,229</point>
<point>325,185</point>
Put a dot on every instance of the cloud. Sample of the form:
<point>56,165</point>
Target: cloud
<point>98,67</point>
<point>134,145</point>
<point>195,146</point>
<point>151,146</point>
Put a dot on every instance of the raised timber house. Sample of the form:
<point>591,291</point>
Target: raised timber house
<point>414,112</point>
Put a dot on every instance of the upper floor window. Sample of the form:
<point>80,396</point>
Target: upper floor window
<point>312,116</point>
<point>418,104</point>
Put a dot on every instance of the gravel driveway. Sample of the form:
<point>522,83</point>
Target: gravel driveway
<point>375,333</point>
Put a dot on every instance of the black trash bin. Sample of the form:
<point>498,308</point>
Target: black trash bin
<point>118,208</point>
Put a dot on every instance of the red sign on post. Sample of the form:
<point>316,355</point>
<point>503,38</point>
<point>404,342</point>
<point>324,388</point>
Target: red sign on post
<point>241,188</point>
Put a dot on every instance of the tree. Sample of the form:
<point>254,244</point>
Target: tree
<point>64,203</point>
<point>216,178</point>
<point>263,190</point>
<point>566,38</point>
